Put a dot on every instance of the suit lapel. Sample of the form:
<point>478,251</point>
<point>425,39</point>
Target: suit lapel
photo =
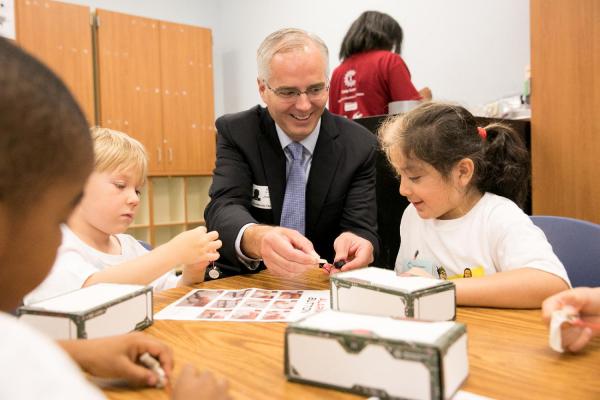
<point>322,170</point>
<point>273,160</point>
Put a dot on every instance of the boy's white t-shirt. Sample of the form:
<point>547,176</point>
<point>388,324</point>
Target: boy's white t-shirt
<point>76,261</point>
<point>494,236</point>
<point>34,367</point>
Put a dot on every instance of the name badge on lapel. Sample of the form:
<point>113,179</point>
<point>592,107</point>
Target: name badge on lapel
<point>260,197</point>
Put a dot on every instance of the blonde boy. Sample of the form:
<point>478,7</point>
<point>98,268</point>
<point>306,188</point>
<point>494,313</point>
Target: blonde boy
<point>38,116</point>
<point>94,247</point>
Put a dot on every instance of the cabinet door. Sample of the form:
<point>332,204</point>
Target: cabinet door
<point>565,104</point>
<point>59,34</point>
<point>129,80</point>
<point>188,111</point>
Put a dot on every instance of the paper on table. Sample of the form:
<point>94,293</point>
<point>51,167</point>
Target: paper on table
<point>249,304</point>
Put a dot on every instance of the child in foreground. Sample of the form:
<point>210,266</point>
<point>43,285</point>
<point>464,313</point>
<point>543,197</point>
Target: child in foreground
<point>95,249</point>
<point>45,158</point>
<point>464,183</point>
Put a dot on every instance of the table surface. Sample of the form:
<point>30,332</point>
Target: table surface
<point>509,357</point>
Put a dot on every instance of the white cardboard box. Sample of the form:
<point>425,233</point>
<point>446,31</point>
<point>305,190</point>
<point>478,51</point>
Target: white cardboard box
<point>377,356</point>
<point>377,291</point>
<point>99,310</point>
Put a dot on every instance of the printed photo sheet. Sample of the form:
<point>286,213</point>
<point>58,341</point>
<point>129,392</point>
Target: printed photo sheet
<point>250,304</point>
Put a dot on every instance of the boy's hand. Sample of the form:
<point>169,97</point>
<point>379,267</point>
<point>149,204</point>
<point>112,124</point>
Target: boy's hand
<point>117,357</point>
<point>203,385</point>
<point>195,246</point>
<point>193,273</point>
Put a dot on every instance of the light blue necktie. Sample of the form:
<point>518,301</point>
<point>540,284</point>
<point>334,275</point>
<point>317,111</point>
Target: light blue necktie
<point>292,213</point>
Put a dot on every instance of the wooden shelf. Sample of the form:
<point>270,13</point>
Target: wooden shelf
<point>170,205</point>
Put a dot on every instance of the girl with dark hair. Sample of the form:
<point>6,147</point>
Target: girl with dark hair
<point>372,73</point>
<point>464,183</point>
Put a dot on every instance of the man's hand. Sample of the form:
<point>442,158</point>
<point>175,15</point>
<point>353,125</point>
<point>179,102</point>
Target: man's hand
<point>355,250</point>
<point>426,94</point>
<point>284,251</point>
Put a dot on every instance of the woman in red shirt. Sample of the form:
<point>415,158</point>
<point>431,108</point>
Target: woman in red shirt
<point>372,73</point>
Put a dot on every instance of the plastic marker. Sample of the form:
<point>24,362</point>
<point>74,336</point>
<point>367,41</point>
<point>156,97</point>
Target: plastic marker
<point>337,264</point>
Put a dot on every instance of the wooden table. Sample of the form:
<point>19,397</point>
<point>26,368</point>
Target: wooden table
<point>508,352</point>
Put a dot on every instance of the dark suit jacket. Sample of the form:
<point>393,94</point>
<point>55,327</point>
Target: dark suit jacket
<point>340,192</point>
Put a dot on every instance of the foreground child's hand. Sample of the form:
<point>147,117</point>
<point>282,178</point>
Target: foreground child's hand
<point>584,305</point>
<point>194,385</point>
<point>117,357</point>
<point>195,246</point>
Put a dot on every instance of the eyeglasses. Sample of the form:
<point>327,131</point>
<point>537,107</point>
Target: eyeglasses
<point>314,92</point>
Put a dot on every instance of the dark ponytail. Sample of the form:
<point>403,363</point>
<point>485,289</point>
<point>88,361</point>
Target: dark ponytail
<point>505,169</point>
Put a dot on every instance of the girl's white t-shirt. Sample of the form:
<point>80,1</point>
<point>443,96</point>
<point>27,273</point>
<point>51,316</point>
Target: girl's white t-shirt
<point>494,236</point>
<point>76,261</point>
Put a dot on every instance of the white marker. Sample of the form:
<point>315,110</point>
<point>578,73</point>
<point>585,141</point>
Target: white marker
<point>152,363</point>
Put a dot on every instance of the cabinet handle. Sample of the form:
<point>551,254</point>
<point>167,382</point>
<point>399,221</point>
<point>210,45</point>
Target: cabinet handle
<point>159,154</point>
<point>170,154</point>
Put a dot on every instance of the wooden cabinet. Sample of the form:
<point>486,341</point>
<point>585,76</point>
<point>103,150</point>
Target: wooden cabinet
<point>155,82</point>
<point>149,78</point>
<point>187,106</point>
<point>565,104</point>
<point>129,91</point>
<point>59,34</point>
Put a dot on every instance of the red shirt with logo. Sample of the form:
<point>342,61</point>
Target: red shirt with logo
<point>365,83</point>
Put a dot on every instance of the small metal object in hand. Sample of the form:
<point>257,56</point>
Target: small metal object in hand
<point>213,271</point>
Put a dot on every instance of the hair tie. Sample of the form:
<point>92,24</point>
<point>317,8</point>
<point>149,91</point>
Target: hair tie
<point>482,132</point>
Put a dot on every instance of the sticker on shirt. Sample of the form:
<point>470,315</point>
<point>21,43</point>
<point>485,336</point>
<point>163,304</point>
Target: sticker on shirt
<point>436,270</point>
<point>427,265</point>
<point>470,272</point>
<point>260,197</point>
<point>350,106</point>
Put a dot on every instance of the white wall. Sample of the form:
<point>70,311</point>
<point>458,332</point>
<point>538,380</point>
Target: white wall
<point>468,51</point>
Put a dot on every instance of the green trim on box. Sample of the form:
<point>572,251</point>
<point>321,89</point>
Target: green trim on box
<point>407,297</point>
<point>80,317</point>
<point>430,355</point>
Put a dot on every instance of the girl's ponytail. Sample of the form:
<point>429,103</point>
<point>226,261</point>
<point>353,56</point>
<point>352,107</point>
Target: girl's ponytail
<point>505,168</point>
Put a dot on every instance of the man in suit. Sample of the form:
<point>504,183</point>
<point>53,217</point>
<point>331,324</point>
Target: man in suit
<point>292,183</point>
